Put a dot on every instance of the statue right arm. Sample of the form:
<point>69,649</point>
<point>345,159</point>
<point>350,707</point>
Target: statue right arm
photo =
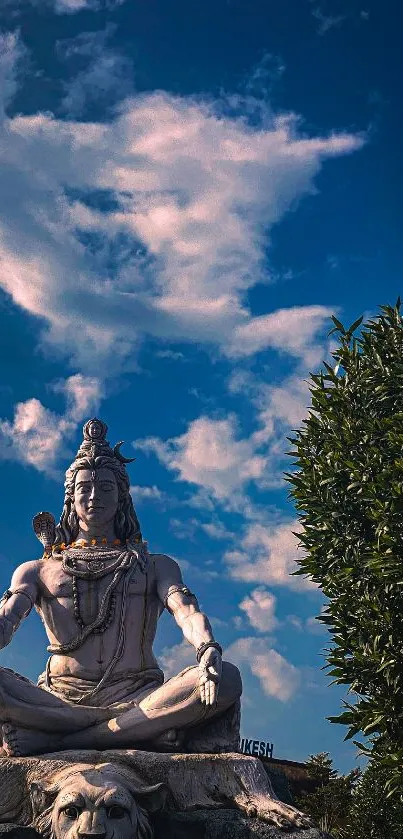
<point>18,600</point>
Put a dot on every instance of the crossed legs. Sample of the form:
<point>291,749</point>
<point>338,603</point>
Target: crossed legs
<point>174,705</point>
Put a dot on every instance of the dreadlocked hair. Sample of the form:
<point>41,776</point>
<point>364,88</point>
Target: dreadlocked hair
<point>127,527</point>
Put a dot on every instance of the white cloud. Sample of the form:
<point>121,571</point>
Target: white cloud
<point>209,455</point>
<point>267,556</point>
<point>37,436</point>
<point>311,624</point>
<point>176,658</point>
<point>146,493</point>
<point>193,194</point>
<point>83,395</point>
<point>105,77</point>
<point>277,676</point>
<point>71,6</point>
<point>11,54</point>
<point>197,573</point>
<point>290,330</point>
<point>260,608</point>
<point>174,355</point>
<point>216,530</point>
<point>325,21</point>
<point>281,407</point>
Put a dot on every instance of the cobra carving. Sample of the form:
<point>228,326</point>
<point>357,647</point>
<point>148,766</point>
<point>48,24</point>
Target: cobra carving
<point>100,593</point>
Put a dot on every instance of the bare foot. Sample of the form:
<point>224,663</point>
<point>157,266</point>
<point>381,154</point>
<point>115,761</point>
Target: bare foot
<point>20,742</point>
<point>170,741</point>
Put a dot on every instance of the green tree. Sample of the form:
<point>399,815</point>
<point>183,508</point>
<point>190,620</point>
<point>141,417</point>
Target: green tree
<point>372,815</point>
<point>330,802</point>
<point>348,491</point>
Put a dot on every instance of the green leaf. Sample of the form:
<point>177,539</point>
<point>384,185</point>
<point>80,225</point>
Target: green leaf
<point>355,325</point>
<point>339,325</point>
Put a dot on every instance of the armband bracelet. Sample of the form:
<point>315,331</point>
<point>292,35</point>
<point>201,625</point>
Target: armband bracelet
<point>203,647</point>
<point>183,589</point>
<point>22,591</point>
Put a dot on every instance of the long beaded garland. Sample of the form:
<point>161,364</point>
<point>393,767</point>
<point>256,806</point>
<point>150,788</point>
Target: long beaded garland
<point>110,611</point>
<point>105,614</point>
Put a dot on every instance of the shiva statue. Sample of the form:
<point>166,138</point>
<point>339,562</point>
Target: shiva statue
<point>99,593</point>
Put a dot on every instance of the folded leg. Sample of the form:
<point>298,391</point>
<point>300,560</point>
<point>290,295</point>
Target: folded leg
<point>176,704</point>
<point>23,703</point>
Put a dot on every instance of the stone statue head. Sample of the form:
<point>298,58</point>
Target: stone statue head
<point>95,458</point>
<point>94,802</point>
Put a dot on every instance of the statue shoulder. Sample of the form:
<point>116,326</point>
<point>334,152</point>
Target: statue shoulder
<point>165,566</point>
<point>163,559</point>
<point>26,577</point>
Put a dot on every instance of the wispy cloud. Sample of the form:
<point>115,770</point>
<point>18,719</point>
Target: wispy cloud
<point>147,493</point>
<point>294,331</point>
<point>73,6</point>
<point>267,555</point>
<point>278,677</point>
<point>176,658</point>
<point>210,455</point>
<point>213,456</point>
<point>155,223</point>
<point>260,606</point>
<point>104,76</point>
<point>37,436</point>
<point>333,14</point>
<point>326,21</point>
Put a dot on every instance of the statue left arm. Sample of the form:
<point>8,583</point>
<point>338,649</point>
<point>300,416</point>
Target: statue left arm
<point>196,628</point>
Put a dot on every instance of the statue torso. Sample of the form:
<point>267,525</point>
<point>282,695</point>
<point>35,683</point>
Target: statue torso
<point>57,606</point>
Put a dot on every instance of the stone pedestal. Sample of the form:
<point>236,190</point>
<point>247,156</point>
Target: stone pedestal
<point>223,824</point>
<point>226,796</point>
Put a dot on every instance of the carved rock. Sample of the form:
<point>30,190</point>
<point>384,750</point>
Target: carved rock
<point>196,791</point>
<point>222,824</point>
<point>218,735</point>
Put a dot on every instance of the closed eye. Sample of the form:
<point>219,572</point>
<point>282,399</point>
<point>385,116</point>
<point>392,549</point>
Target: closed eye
<point>115,811</point>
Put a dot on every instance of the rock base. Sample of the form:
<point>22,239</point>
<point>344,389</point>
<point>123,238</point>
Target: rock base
<point>223,824</point>
<point>203,824</point>
<point>206,795</point>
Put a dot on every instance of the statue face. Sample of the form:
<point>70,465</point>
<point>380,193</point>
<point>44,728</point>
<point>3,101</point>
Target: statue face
<point>96,498</point>
<point>91,805</point>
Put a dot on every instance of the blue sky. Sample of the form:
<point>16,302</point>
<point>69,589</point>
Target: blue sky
<point>188,192</point>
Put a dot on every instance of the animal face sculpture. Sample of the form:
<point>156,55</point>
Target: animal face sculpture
<point>101,802</point>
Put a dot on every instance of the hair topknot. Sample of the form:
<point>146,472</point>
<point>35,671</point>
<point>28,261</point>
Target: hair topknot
<point>96,453</point>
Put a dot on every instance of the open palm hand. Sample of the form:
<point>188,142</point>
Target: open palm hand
<point>210,669</point>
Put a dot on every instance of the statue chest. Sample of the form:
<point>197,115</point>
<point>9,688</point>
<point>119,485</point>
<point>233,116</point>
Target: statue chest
<point>62,592</point>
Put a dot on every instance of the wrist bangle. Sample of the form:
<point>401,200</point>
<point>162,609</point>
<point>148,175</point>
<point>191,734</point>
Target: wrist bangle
<point>203,647</point>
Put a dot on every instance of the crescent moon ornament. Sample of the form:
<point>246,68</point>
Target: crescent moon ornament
<point>121,457</point>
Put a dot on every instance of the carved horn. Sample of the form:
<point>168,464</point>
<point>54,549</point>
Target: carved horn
<point>121,457</point>
<point>152,797</point>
